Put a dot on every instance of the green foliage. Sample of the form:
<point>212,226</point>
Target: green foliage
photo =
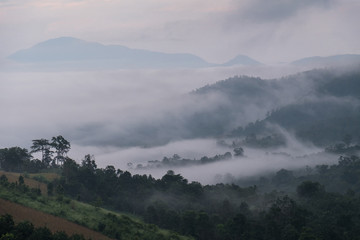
<point>308,189</point>
<point>7,236</point>
<point>50,189</point>
<point>21,180</point>
<point>43,146</point>
<point>112,224</point>
<point>23,230</point>
<point>6,224</point>
<point>62,146</point>
<point>223,211</point>
<point>299,208</point>
<point>14,158</point>
<point>40,178</point>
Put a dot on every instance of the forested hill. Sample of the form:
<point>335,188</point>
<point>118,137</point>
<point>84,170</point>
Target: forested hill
<point>320,106</point>
<point>325,113</point>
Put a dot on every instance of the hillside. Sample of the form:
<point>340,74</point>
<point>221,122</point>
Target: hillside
<point>320,106</point>
<point>30,179</point>
<point>323,115</point>
<point>40,219</point>
<point>59,213</point>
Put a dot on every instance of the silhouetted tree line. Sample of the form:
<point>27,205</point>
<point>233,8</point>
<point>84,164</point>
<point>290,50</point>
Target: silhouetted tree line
<point>60,145</point>
<point>177,161</point>
<point>20,159</point>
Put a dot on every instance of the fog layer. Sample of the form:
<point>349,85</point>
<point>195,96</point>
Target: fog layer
<point>294,155</point>
<point>134,115</point>
<point>107,107</point>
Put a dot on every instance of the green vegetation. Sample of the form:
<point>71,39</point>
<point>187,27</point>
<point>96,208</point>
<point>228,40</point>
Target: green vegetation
<point>318,203</point>
<point>287,205</point>
<point>112,224</point>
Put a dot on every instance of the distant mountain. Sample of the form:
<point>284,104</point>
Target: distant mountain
<point>241,60</point>
<point>345,59</point>
<point>76,54</point>
<point>80,53</point>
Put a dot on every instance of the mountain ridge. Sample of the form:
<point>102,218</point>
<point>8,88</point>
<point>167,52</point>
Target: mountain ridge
<point>69,49</point>
<point>340,59</point>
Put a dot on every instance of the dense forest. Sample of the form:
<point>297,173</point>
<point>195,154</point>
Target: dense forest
<point>310,203</point>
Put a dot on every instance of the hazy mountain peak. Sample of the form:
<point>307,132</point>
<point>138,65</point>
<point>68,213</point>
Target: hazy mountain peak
<point>62,49</point>
<point>66,42</point>
<point>241,60</point>
<point>61,41</point>
<point>82,54</point>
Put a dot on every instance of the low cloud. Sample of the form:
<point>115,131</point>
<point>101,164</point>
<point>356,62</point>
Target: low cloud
<point>136,116</point>
<point>108,108</point>
<point>256,162</point>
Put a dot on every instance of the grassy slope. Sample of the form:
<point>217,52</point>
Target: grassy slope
<point>77,212</point>
<point>41,219</point>
<point>29,181</point>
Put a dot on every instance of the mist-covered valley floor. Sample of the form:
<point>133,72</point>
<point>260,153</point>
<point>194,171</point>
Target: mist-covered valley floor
<point>127,118</point>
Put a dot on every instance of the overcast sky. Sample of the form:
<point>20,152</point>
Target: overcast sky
<point>269,31</point>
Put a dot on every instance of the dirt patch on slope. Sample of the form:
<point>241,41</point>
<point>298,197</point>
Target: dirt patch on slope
<point>40,219</point>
